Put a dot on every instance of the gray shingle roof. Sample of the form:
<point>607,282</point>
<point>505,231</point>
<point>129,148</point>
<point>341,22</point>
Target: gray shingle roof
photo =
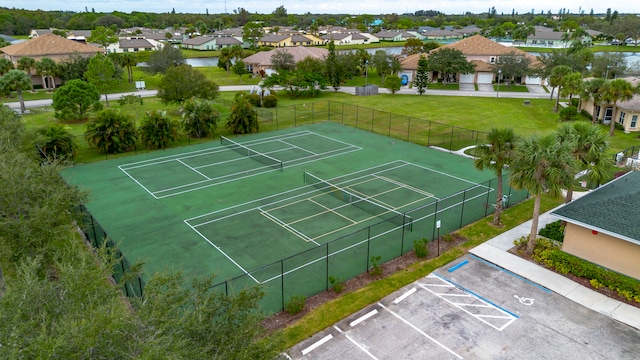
<point>611,209</point>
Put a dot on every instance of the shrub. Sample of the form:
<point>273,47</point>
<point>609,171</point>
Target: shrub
<point>568,113</point>
<point>420,248</point>
<point>337,284</point>
<point>270,101</point>
<point>585,113</point>
<point>554,231</point>
<point>618,126</point>
<point>59,143</point>
<point>158,130</point>
<point>575,102</point>
<point>111,132</point>
<point>563,262</point>
<point>296,304</point>
<point>254,99</point>
<point>375,269</point>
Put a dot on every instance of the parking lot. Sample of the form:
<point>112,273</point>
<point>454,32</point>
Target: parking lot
<point>475,310</point>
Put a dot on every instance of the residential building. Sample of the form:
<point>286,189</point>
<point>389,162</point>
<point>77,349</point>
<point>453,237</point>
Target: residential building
<point>260,62</point>
<point>625,113</point>
<point>601,225</point>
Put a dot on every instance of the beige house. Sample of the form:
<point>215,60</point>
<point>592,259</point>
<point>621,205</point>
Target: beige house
<point>484,53</point>
<point>260,62</point>
<point>602,226</point>
<point>50,46</point>
<point>284,40</point>
<point>625,112</point>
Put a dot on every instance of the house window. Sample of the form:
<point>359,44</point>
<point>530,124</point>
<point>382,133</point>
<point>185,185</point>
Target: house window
<point>608,114</point>
<point>634,120</point>
<point>492,59</point>
<point>621,119</point>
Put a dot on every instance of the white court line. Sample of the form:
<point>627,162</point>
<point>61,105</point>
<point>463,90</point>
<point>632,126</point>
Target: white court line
<point>316,344</point>
<point>138,182</point>
<point>404,296</point>
<point>194,170</point>
<point>363,318</point>
<point>406,186</point>
<point>355,343</point>
<point>420,331</point>
<point>292,146</point>
<point>223,253</point>
<point>287,227</point>
<point>286,200</point>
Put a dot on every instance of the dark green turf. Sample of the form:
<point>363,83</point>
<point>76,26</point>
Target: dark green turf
<point>241,216</point>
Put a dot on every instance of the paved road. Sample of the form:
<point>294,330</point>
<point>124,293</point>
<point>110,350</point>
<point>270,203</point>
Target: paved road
<point>535,92</point>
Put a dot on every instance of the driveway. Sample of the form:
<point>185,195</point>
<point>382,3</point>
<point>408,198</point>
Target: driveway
<point>467,87</point>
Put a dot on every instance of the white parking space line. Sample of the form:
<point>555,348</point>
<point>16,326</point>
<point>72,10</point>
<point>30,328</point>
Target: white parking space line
<point>456,295</point>
<point>317,344</point>
<point>363,317</point>
<point>355,343</point>
<point>404,296</point>
<point>420,331</point>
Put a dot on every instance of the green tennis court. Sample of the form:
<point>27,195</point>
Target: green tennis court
<point>285,209</point>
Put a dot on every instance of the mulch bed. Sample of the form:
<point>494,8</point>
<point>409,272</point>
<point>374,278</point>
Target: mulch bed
<point>283,319</point>
<point>580,280</point>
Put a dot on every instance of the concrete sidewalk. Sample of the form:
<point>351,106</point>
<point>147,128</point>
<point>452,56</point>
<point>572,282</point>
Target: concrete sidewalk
<point>495,251</point>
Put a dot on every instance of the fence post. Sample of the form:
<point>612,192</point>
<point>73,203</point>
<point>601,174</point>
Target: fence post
<point>282,282</point>
<point>389,124</point>
<point>435,219</point>
<point>408,129</point>
<point>357,115</point>
<point>276,118</point>
<point>429,134</point>
<point>464,198</point>
<point>373,118</point>
<point>368,247</point>
<point>313,113</point>
<point>295,117</point>
<point>487,204</point>
<point>327,266</point>
<point>451,141</point>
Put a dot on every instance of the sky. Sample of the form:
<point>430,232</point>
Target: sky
<point>373,7</point>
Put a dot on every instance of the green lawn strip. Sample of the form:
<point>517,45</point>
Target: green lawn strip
<point>512,88</point>
<point>333,311</point>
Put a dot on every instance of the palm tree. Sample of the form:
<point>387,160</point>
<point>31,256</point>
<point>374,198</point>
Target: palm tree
<point>591,91</point>
<point>495,155</point>
<point>588,146</point>
<point>16,80</point>
<point>541,165</point>
<point>555,80</point>
<point>5,66</point>
<point>46,68</point>
<point>614,91</point>
<point>571,84</point>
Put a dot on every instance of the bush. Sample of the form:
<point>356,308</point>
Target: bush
<point>59,143</point>
<point>111,132</point>
<point>375,269</point>
<point>618,126</point>
<point>568,113</point>
<point>254,99</point>
<point>296,304</point>
<point>158,130</point>
<point>564,263</point>
<point>586,114</point>
<point>420,248</point>
<point>337,284</point>
<point>575,102</point>
<point>270,101</point>
<point>554,231</point>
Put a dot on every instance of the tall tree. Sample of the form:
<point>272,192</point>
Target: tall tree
<point>102,74</point>
<point>589,145</point>
<point>556,80</point>
<point>103,35</point>
<point>74,99</point>
<point>422,75</point>
<point>27,64</point>
<point>5,66</point>
<point>160,61</point>
<point>495,155</point>
<point>572,85</point>
<point>513,65</point>
<point>251,32</point>
<point>447,61</point>
<point>16,80</point>
<point>334,72</point>
<point>591,91</point>
<point>412,46</point>
<point>541,165</point>
<point>47,69</point>
<point>283,60</point>
<point>614,91</point>
<point>183,82</point>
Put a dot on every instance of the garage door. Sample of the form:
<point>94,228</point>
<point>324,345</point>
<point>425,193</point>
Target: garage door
<point>466,78</point>
<point>485,78</point>
<point>532,80</point>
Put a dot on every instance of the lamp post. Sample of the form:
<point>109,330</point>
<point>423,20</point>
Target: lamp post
<point>499,74</point>
<point>366,73</point>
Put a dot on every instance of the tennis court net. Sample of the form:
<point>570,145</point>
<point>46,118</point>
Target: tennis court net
<point>391,215</point>
<point>257,156</point>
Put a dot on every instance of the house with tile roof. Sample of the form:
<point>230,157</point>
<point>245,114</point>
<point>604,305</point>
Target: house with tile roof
<point>260,62</point>
<point>625,113</point>
<point>602,226</point>
<point>441,35</point>
<point>394,35</point>
<point>483,52</point>
<point>546,37</point>
<point>50,46</point>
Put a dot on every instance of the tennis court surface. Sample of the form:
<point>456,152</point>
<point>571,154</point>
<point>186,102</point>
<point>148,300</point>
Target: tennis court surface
<point>286,209</point>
